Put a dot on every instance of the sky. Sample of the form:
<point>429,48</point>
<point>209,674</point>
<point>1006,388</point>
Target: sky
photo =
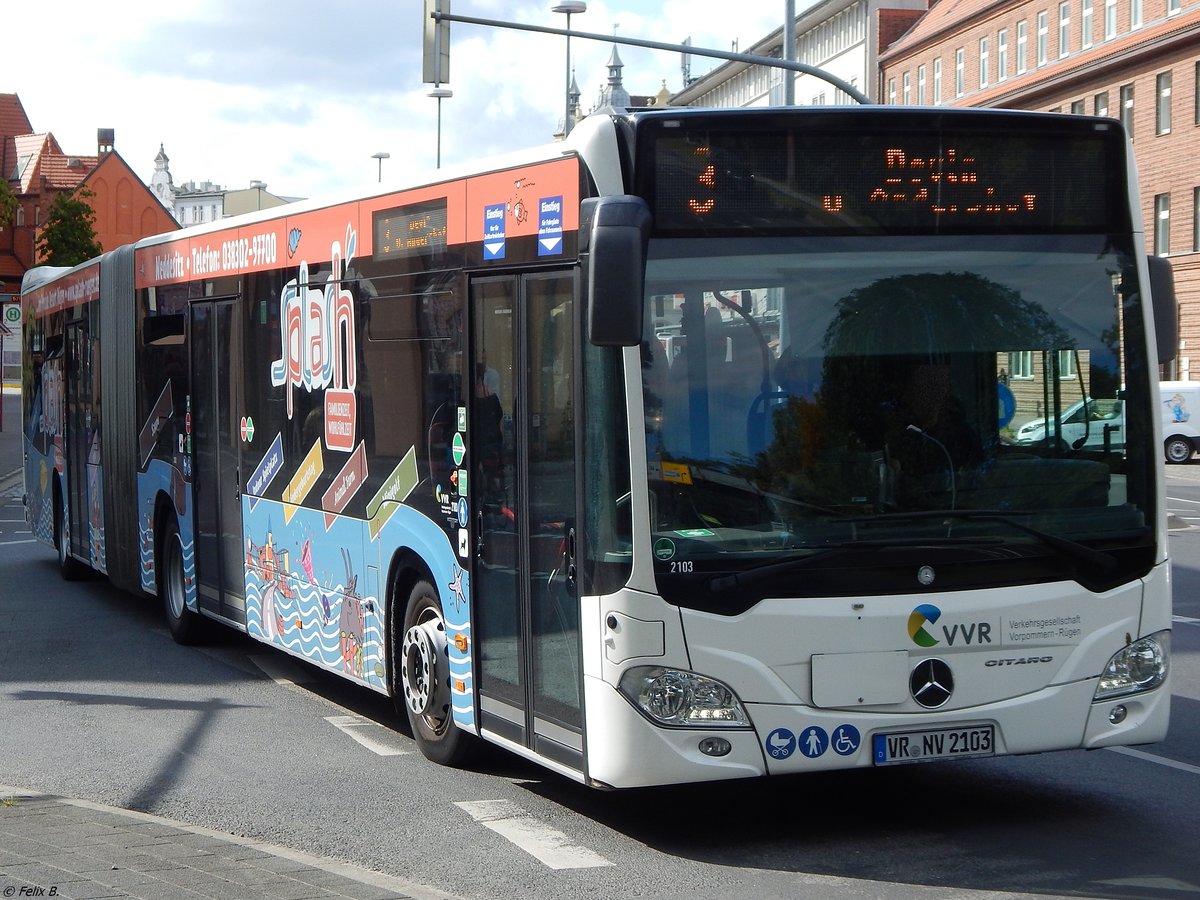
<point>300,94</point>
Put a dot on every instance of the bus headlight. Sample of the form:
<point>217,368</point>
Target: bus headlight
<point>1141,666</point>
<point>683,699</point>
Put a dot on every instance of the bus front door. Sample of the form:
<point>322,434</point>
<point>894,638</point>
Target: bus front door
<point>216,454</point>
<point>522,459</point>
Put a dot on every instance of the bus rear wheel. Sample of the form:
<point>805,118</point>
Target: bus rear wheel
<point>421,679</point>
<point>71,568</point>
<point>185,625</point>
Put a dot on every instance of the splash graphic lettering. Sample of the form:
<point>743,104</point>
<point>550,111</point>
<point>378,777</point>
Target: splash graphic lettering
<point>317,345</point>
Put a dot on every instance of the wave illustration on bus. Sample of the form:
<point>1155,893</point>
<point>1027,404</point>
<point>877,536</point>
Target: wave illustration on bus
<point>684,449</point>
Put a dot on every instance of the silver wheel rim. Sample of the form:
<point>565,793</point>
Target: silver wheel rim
<point>423,646</point>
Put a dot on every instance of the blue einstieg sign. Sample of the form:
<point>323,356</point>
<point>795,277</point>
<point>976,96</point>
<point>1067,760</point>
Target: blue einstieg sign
<point>550,226</point>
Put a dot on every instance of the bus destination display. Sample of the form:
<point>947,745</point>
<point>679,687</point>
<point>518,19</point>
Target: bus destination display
<point>408,230</point>
<point>919,182</point>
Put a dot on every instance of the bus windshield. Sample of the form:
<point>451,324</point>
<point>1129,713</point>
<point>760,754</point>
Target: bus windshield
<point>810,399</point>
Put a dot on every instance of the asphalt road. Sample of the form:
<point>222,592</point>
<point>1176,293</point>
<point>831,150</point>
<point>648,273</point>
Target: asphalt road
<point>97,702</point>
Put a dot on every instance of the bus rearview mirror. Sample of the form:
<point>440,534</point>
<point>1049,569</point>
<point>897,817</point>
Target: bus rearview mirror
<point>619,233</point>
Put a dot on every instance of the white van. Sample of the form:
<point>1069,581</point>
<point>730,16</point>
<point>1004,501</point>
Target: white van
<point>1180,404</point>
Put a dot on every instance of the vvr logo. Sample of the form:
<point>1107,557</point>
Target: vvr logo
<point>922,619</point>
<point>925,614</point>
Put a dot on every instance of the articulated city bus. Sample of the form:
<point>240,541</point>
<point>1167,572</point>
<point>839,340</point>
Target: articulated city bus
<point>684,449</point>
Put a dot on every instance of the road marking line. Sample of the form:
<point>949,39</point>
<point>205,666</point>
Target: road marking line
<point>1158,760</point>
<point>548,845</point>
<point>1185,620</point>
<point>1182,500</point>
<point>358,728</point>
<point>14,543</point>
<point>280,668</point>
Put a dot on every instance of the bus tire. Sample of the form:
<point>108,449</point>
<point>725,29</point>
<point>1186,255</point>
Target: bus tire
<point>421,685</point>
<point>1178,449</point>
<point>70,568</point>
<point>184,624</point>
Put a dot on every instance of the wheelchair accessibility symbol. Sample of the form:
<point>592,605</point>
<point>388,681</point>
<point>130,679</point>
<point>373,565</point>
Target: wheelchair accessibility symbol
<point>845,740</point>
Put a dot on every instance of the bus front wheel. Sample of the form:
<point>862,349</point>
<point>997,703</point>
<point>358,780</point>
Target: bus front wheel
<point>421,685</point>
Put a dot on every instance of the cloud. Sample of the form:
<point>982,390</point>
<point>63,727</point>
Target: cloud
<point>300,94</point>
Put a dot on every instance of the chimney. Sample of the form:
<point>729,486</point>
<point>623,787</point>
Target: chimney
<point>104,141</point>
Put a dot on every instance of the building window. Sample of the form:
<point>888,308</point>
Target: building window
<point>1022,46</point>
<point>1173,7</point>
<point>1127,108</point>
<point>891,92</point>
<point>1135,14</point>
<point>1077,107</point>
<point>1066,365</point>
<point>19,218</point>
<point>958,72</point>
<point>921,85</point>
<point>984,62</point>
<point>937,81</point>
<point>1162,112</point>
<point>1064,29</point>
<point>1043,31</point>
<point>1020,364</point>
<point>1196,92</point>
<point>1002,54</point>
<point>1162,224</point>
<point>1110,19</point>
<point>1100,104</point>
<point>1196,220</point>
<point>908,89</point>
<point>1085,24</point>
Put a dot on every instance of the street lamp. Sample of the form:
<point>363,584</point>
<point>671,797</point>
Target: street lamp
<point>568,7</point>
<point>440,93</point>
<point>259,186</point>
<point>381,156</point>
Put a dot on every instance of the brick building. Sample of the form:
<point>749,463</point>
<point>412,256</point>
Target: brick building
<point>1136,60</point>
<point>37,170</point>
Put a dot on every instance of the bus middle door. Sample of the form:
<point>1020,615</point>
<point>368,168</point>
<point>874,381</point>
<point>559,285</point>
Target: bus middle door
<point>216,398</point>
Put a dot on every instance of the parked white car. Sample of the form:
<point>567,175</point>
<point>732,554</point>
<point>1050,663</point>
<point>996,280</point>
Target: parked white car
<point>1085,422</point>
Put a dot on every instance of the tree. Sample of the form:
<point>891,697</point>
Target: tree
<point>8,203</point>
<point>69,238</point>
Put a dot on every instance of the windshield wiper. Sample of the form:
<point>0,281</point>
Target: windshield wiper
<point>1104,562</point>
<point>784,566</point>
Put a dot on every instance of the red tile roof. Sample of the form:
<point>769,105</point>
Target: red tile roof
<point>13,121</point>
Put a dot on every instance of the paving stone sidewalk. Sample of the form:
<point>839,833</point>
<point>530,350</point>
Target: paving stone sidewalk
<point>58,847</point>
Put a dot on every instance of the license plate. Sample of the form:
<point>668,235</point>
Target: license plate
<point>941,743</point>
